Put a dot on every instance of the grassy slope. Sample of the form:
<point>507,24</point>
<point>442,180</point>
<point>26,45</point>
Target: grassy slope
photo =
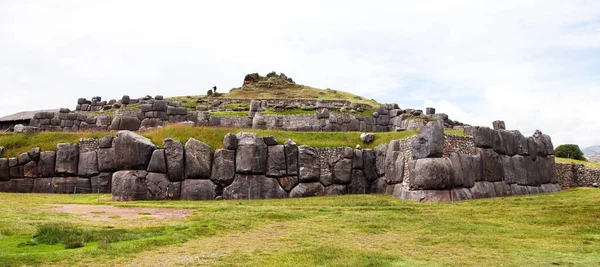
<point>354,230</point>
<point>589,164</point>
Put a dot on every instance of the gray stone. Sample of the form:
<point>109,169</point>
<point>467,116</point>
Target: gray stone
<point>483,190</point>
<point>544,144</point>
<point>67,158</point>
<point>132,151</point>
<point>348,153</point>
<point>429,143</point>
<point>30,170</point>
<point>308,190</point>
<point>335,190</point>
<point>543,170</point>
<point>519,190</point>
<point>174,154</point>
<point>276,166</point>
<point>461,194</point>
<point>342,171</point>
<point>24,158</point>
<point>106,160</point>
<point>155,186</point>
<point>198,159</point>
<point>199,190</point>
<point>430,174</point>
<point>498,143</point>
<point>101,183</point>
<point>125,123</point>
<point>88,164</point>
<point>369,164</point>
<point>492,166</point>
<point>125,185</point>
<point>223,167</point>
<point>358,184</point>
<point>288,182</point>
<point>533,174</point>
<point>457,168</point>
<point>508,167</point>
<point>550,188</point>
<point>394,164</point>
<point>308,164</point>
<point>429,111</point>
<point>253,187</point>
<point>499,125</point>
<point>357,160</point>
<point>532,147</point>
<point>422,195</point>
<point>483,137</point>
<point>379,186</point>
<point>125,100</point>
<point>533,189</point>
<point>34,154</point>
<point>520,169</point>
<point>472,169</point>
<point>510,142</point>
<point>251,156</point>
<point>105,142</point>
<point>380,156</point>
<point>502,189</point>
<point>367,138</point>
<point>291,157</point>
<point>4,170</point>
<point>551,167</point>
<point>22,185</point>
<point>158,162</point>
<point>174,191</point>
<point>61,185</point>
<point>230,141</point>
<point>270,141</point>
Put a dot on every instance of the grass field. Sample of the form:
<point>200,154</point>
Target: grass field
<point>561,229</point>
<point>589,164</point>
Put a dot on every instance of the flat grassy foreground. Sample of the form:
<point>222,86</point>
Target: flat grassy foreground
<point>356,230</point>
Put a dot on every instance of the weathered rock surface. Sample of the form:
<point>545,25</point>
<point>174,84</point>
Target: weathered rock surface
<point>430,173</point>
<point>101,183</point>
<point>126,185</point>
<point>483,137</point>
<point>199,190</point>
<point>30,170</point>
<point>335,189</point>
<point>253,187</point>
<point>174,154</point>
<point>61,185</point>
<point>158,162</point>
<point>519,190</point>
<point>483,190</point>
<point>88,164</point>
<point>67,158</point>
<point>34,154</point>
<point>106,160</point>
<point>276,166</point>
<point>421,195</point>
<point>342,171</point>
<point>125,123</point>
<point>198,159</point>
<point>230,141</point>
<point>156,186</point>
<point>367,138</point>
<point>223,167</point>
<point>251,155</point>
<point>358,184</point>
<point>460,194</point>
<point>288,182</point>
<point>4,170</point>
<point>308,190</point>
<point>380,156</point>
<point>369,164</point>
<point>429,143</point>
<point>308,165</point>
<point>291,157</point>
<point>492,166</point>
<point>105,142</point>
<point>132,151</point>
<point>46,163</point>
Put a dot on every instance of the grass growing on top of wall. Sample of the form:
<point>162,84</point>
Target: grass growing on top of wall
<point>589,164</point>
<point>19,143</point>
<point>353,230</point>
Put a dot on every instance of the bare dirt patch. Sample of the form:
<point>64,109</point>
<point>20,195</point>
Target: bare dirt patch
<point>109,213</point>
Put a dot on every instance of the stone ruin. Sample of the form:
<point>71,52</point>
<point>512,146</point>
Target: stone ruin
<point>430,167</point>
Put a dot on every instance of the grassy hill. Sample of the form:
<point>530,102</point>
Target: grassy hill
<point>560,229</point>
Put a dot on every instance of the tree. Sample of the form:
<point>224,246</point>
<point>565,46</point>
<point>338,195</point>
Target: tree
<point>569,151</point>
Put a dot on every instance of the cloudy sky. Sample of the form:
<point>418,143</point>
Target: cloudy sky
<point>534,64</point>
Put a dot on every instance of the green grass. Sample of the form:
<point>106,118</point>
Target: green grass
<point>19,143</point>
<point>354,230</point>
<point>589,164</point>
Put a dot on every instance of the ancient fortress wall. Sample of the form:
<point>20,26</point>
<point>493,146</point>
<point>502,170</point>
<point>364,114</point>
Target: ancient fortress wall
<point>426,167</point>
<point>577,175</point>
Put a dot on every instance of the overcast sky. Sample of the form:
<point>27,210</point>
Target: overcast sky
<point>533,64</point>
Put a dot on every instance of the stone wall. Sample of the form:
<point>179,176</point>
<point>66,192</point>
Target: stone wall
<point>577,175</point>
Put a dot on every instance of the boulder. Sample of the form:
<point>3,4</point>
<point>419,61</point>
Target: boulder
<point>308,164</point>
<point>155,186</point>
<point>429,143</point>
<point>498,143</point>
<point>308,190</point>
<point>158,162</point>
<point>380,156</point>
<point>223,167</point>
<point>533,189</point>
<point>519,190</point>
<point>532,147</point>
<point>460,194</point>
<point>61,185</point>
<point>430,173</point>
<point>125,185</point>
<point>508,167</point>
<point>335,190</point>
<point>429,111</point>
<point>22,185</point>
<point>549,188</point>
<point>378,186</point>
<point>483,137</point>
<point>24,158</point>
<point>357,159</point>
<point>253,187</point>
<point>491,165</point>
<point>199,190</point>
<point>105,142</point>
<point>533,173</point>
<point>251,156</point>
<point>544,144</point>
<point>457,168</point>
<point>174,154</point>
<point>288,182</point>
<point>472,169</point>
<point>499,125</point>
<point>422,195</point>
<point>367,138</point>
<point>276,166</point>
<point>520,143</point>
<point>125,123</point>
<point>198,159</point>
<point>270,141</point>
<point>502,189</point>
<point>510,142</point>
<point>291,157</point>
<point>394,164</point>
<point>342,171</point>
<point>101,183</point>
<point>30,170</point>
<point>88,164</point>
<point>34,154</point>
<point>4,170</point>
<point>132,151</point>
<point>483,190</point>
<point>67,158</point>
<point>543,170</point>
<point>520,170</point>
<point>369,164</point>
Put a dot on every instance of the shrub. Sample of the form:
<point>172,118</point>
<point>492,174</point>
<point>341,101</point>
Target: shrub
<point>570,151</point>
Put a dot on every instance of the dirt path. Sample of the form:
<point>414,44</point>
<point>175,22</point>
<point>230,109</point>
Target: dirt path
<point>109,213</point>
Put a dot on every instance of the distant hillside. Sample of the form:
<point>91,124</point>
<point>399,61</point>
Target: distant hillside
<point>592,150</point>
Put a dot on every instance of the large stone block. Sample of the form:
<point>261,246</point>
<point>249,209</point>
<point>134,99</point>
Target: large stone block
<point>378,186</point>
<point>394,167</point>
<point>308,164</point>
<point>174,155</point>
<point>289,182</point>
<point>46,164</point>
<point>422,195</point>
<point>276,166</point>
<point>502,189</point>
<point>308,190</point>
<point>549,188</point>
<point>291,157</point>
<point>483,190</point>
<point>253,187</point>
<point>198,159</point>
<point>101,183</point>
<point>457,168</point>
<point>24,158</point>
<point>519,190</point>
<point>335,190</point>
<point>126,185</point>
<point>380,156</point>
<point>483,137</point>
<point>21,185</point>
<point>533,172</point>
<point>520,169</point>
<point>62,185</point>
<point>106,160</point>
<point>223,167</point>
<point>88,164</point>
<point>358,184</point>
<point>251,156</point>
<point>342,171</point>
<point>230,141</point>
<point>132,151</point>
<point>125,123</point>
<point>508,167</point>
<point>67,159</point>
<point>472,168</point>
<point>156,186</point>
<point>429,143</point>
<point>199,190</point>
<point>357,159</point>
<point>498,144</point>
<point>460,194</point>
<point>532,147</point>
<point>369,165</point>
<point>158,162</point>
<point>30,170</point>
<point>4,170</point>
<point>430,174</point>
<point>492,166</point>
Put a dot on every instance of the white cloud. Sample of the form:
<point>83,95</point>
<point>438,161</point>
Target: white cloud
<point>530,63</point>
